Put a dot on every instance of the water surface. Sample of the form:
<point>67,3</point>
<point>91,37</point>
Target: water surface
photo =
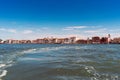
<point>59,62</point>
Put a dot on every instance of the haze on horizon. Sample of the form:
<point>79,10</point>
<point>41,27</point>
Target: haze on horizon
<point>31,19</point>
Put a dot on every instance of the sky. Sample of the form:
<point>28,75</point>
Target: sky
<point>31,19</point>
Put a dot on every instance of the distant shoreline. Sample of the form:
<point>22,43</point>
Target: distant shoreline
<point>68,40</point>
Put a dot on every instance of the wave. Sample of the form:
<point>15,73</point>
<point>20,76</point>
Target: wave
<point>3,72</point>
<point>33,59</point>
<point>7,60</point>
<point>2,65</point>
<point>83,73</point>
<point>96,76</point>
<point>46,49</point>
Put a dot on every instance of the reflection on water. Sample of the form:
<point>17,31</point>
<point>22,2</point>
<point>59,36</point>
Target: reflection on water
<point>59,62</point>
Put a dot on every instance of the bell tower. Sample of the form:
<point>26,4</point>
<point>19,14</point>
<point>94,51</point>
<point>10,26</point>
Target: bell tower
<point>109,38</point>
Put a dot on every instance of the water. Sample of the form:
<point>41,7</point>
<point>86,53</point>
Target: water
<point>59,62</point>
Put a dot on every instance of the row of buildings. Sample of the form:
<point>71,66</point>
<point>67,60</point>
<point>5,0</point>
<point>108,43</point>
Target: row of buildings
<point>96,40</point>
<point>99,40</point>
<point>70,40</point>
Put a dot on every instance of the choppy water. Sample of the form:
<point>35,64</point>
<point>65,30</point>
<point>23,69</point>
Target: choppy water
<point>59,62</point>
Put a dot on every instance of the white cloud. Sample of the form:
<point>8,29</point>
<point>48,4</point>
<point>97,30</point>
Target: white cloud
<point>77,27</point>
<point>74,27</point>
<point>81,32</point>
<point>12,30</point>
<point>66,29</point>
<point>27,31</point>
<point>8,30</point>
<point>96,31</point>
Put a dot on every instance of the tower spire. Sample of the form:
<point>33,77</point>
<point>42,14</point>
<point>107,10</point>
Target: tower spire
<point>109,38</point>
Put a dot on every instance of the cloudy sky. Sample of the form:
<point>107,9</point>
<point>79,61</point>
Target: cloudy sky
<point>31,19</point>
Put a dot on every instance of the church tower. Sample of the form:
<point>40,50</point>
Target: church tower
<point>109,38</point>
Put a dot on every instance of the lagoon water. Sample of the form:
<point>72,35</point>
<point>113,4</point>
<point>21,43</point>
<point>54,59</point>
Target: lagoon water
<point>59,62</point>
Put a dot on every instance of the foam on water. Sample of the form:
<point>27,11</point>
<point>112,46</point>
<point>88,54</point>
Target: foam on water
<point>3,72</point>
<point>46,49</point>
<point>96,76</point>
<point>28,51</point>
<point>33,59</point>
<point>2,65</point>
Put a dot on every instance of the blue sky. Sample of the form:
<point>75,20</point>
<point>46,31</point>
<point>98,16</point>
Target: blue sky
<point>31,19</point>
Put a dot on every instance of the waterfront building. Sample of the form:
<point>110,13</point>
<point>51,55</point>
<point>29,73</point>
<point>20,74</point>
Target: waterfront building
<point>66,40</point>
<point>116,40</point>
<point>52,40</point>
<point>55,40</point>
<point>96,40</point>
<point>89,41</point>
<point>25,41</point>
<point>39,41</point>
<point>81,41</point>
<point>34,41</point>
<point>15,41</point>
<point>9,41</point>
<point>28,41</point>
<point>104,40</point>
<point>45,40</point>
<point>72,40</point>
<point>60,41</point>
